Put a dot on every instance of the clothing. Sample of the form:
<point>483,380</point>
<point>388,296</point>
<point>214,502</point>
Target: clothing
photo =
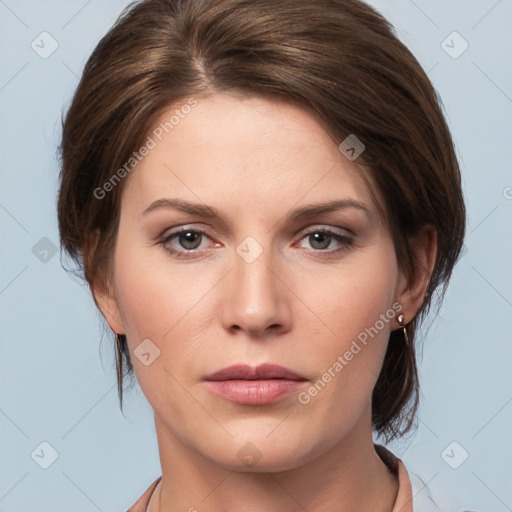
<point>142,503</point>
<point>403,502</point>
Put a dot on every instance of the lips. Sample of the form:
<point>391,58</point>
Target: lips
<point>261,385</point>
<point>264,371</point>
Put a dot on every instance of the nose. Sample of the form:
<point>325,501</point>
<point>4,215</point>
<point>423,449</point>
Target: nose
<point>257,298</point>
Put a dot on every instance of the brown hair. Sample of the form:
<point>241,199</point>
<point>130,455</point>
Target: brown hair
<point>339,59</point>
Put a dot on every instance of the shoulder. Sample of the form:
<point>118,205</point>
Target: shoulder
<point>413,494</point>
<point>427,497</point>
<point>141,504</point>
<point>423,500</point>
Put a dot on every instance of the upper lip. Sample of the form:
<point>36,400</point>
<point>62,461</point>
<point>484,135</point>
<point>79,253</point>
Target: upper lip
<point>246,372</point>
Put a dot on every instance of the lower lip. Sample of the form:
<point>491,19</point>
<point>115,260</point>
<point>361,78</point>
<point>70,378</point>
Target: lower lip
<point>254,392</point>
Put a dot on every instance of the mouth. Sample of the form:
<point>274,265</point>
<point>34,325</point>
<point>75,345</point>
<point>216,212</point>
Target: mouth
<point>264,371</point>
<point>263,384</point>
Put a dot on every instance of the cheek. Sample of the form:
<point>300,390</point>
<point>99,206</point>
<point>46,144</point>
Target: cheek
<point>164,302</point>
<point>152,294</point>
<point>355,314</point>
<point>151,304</point>
<point>353,296</point>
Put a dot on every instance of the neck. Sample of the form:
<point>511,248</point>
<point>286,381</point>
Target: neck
<point>348,476</point>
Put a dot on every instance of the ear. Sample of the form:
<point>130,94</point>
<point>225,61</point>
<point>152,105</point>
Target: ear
<point>104,296</point>
<point>411,289</point>
<point>106,301</point>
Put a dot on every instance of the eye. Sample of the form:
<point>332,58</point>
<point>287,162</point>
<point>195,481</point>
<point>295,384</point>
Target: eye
<point>321,239</point>
<point>186,241</point>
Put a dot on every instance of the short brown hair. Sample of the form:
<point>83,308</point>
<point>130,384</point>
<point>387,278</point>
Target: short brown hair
<point>339,59</point>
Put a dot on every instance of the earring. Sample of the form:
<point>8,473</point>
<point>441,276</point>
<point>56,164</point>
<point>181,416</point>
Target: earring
<point>401,321</point>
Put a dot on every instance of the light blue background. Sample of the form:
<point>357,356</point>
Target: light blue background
<point>58,381</point>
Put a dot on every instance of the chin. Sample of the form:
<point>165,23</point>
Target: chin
<point>261,452</point>
<point>255,460</point>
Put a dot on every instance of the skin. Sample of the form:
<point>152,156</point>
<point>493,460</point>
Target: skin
<point>299,304</point>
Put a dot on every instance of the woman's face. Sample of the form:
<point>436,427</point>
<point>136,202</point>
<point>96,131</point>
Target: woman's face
<point>260,283</point>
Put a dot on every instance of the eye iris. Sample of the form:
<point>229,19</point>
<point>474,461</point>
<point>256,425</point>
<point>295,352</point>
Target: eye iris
<point>321,238</point>
<point>189,238</point>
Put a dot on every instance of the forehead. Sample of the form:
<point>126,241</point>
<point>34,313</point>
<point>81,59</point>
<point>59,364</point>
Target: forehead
<point>250,153</point>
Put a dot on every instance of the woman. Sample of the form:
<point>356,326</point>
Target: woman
<point>264,197</point>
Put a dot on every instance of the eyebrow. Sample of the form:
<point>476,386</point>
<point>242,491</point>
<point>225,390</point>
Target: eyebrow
<point>299,214</point>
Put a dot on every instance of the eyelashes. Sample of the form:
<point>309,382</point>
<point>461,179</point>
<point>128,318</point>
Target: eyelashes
<point>330,235</point>
<point>191,237</point>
